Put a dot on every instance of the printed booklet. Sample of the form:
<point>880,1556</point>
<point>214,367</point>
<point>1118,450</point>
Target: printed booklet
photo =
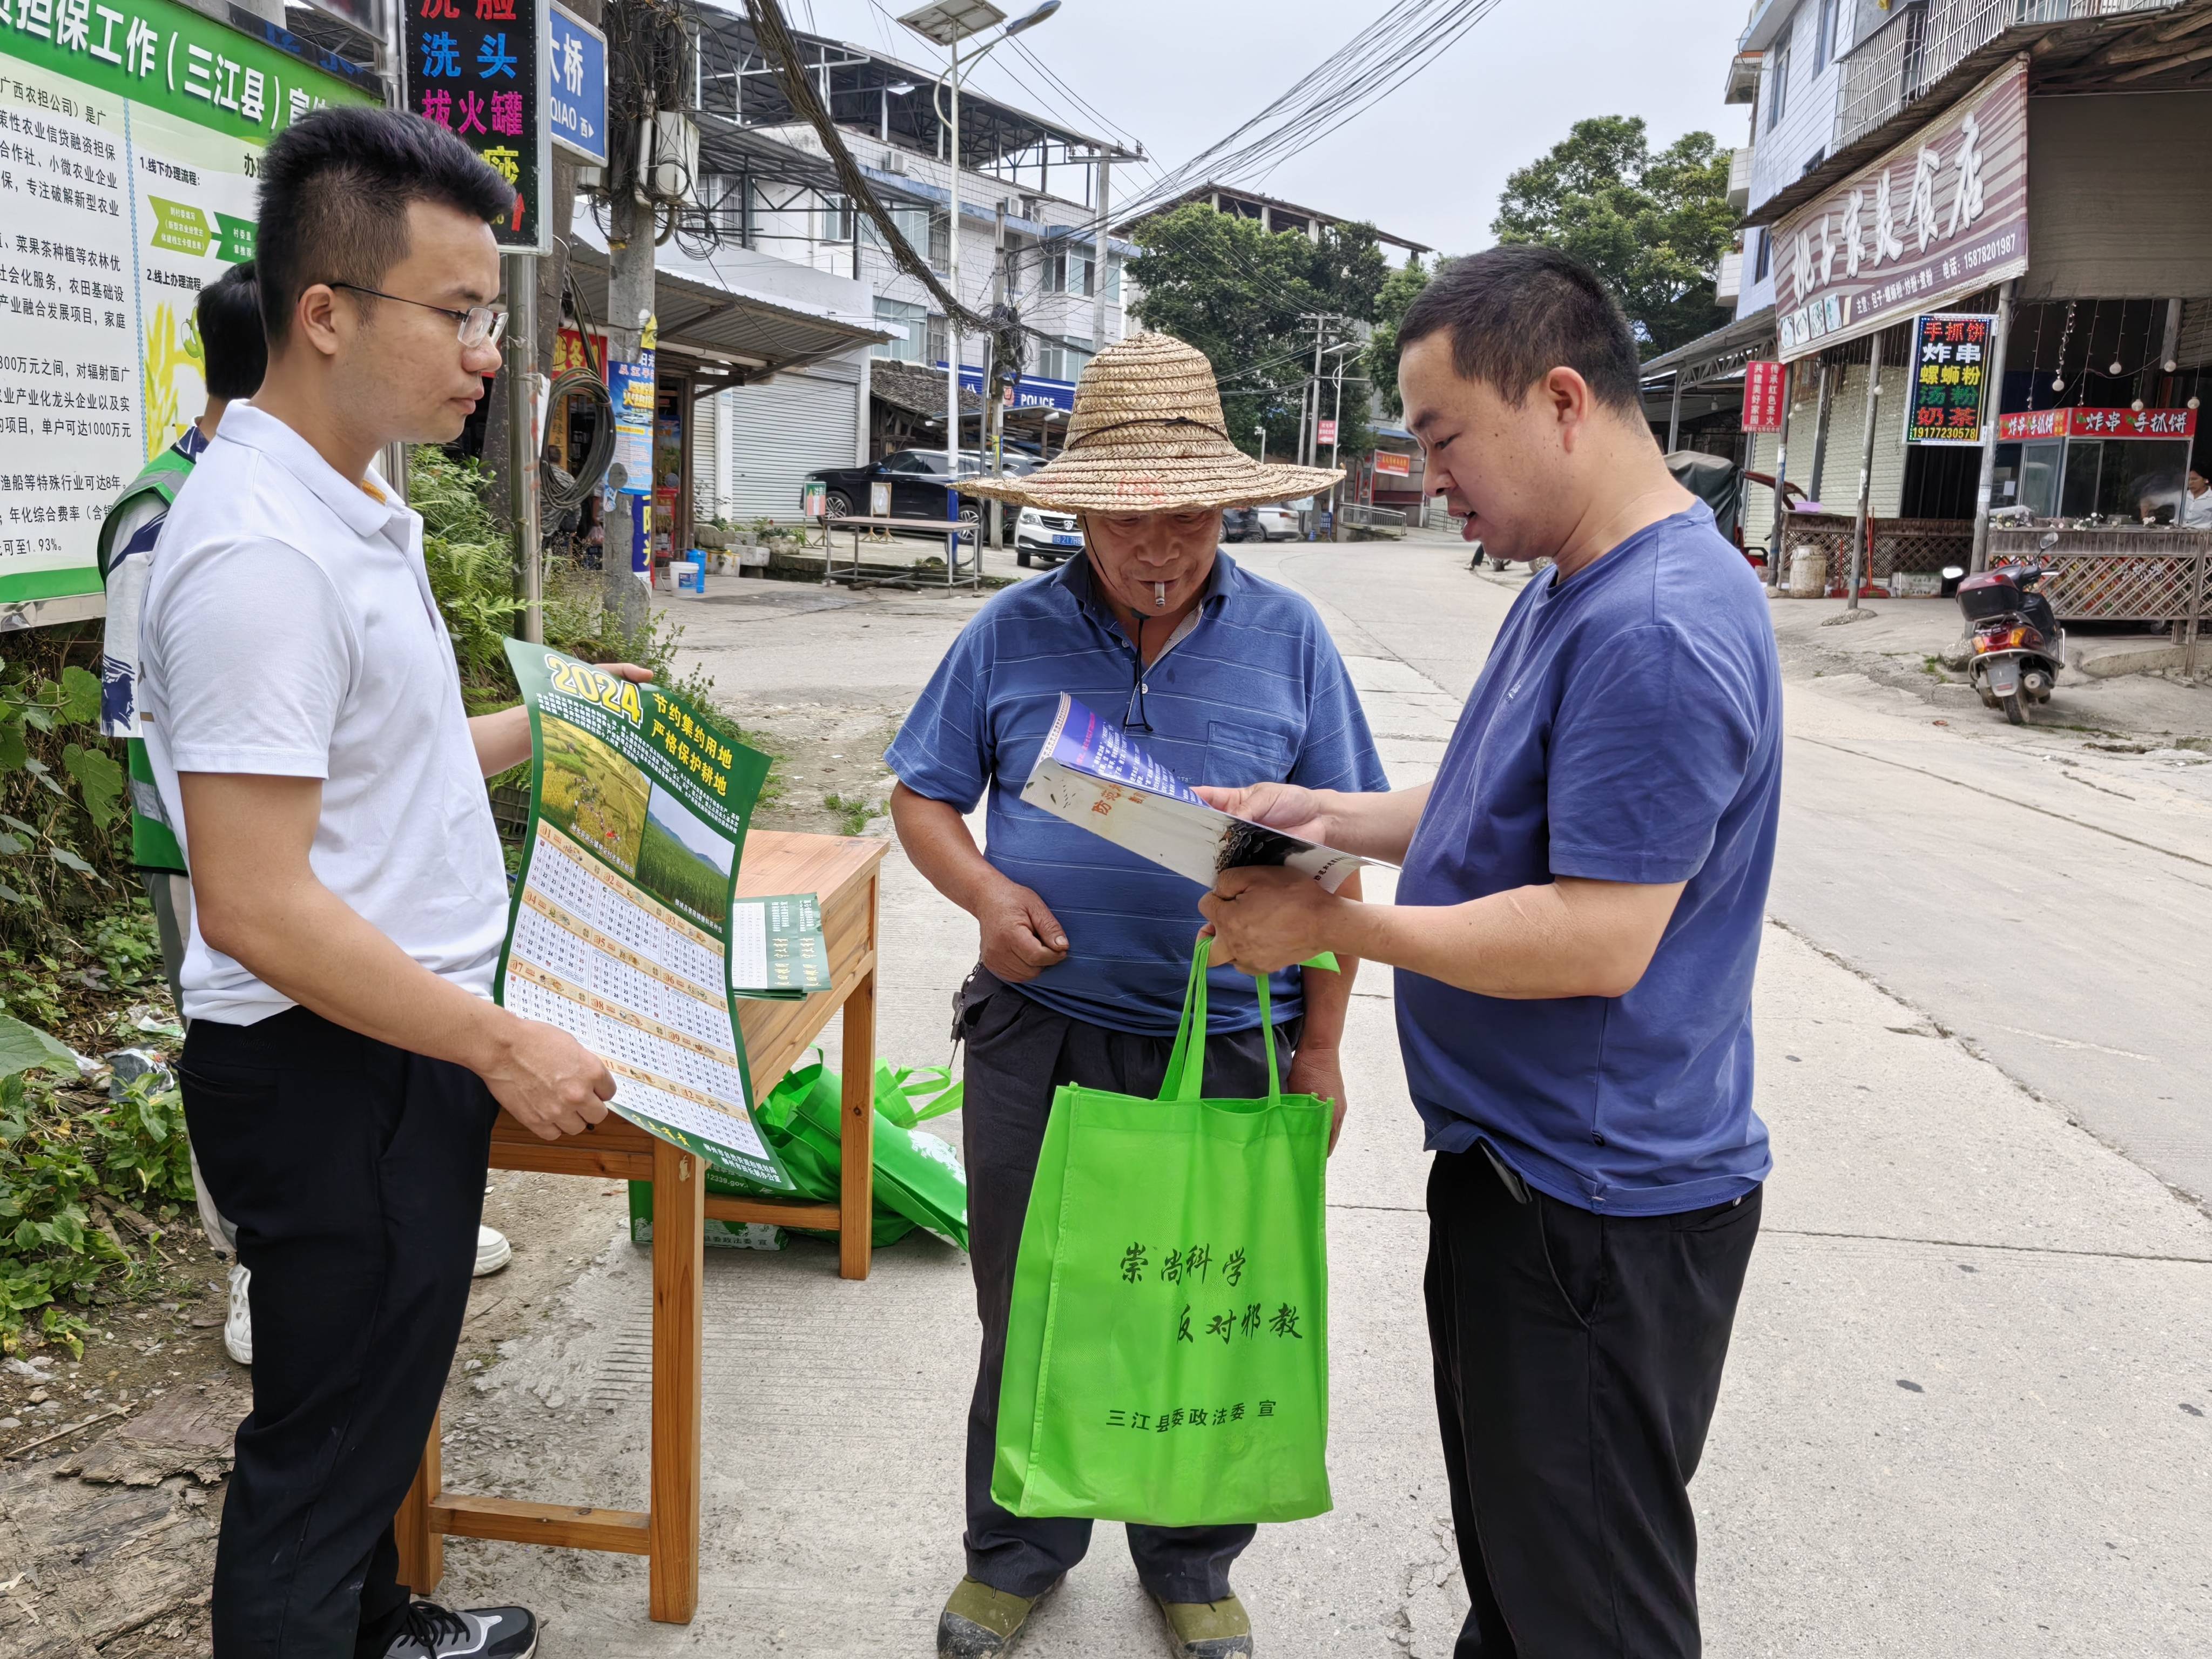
<point>1093,775</point>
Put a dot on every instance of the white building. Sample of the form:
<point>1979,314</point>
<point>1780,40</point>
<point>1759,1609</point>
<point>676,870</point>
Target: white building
<point>1788,72</point>
<point>769,198</point>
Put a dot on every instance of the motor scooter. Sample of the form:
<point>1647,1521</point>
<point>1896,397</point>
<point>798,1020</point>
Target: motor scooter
<point>2018,646</point>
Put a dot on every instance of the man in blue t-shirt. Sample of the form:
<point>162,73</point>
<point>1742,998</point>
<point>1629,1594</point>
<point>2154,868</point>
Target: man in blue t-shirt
<point>1576,933</point>
<point>1085,948</point>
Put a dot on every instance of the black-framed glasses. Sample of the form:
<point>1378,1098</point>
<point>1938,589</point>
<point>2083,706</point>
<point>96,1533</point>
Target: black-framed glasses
<point>479,326</point>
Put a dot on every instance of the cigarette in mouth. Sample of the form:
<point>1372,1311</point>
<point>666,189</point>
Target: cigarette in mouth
<point>1159,596</point>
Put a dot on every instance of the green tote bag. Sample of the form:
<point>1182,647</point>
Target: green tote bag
<point>1167,1359</point>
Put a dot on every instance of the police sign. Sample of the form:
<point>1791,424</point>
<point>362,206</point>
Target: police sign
<point>576,88</point>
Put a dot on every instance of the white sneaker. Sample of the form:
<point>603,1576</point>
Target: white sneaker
<point>493,1251</point>
<point>238,1324</point>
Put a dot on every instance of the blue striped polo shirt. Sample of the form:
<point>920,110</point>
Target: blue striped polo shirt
<point>1250,690</point>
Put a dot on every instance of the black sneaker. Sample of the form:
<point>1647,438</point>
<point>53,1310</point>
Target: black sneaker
<point>432,1632</point>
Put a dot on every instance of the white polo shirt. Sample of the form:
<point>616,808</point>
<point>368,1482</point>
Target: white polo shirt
<point>289,631</point>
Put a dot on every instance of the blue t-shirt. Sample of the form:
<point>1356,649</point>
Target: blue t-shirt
<point>1250,690</point>
<point>1627,727</point>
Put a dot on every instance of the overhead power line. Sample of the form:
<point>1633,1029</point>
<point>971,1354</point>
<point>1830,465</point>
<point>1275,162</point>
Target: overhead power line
<point>1377,61</point>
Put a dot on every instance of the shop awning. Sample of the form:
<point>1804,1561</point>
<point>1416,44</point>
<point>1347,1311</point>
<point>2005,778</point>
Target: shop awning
<point>2072,47</point>
<point>738,336</point>
<point>1716,355</point>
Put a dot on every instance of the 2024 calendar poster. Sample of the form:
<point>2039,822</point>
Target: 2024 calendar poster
<point>620,930</point>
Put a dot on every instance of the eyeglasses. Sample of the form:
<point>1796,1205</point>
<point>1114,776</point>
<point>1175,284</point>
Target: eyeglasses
<point>479,326</point>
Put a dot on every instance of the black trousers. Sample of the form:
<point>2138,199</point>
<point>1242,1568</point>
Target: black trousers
<point>1577,1358</point>
<point>355,1173</point>
<point>1019,1052</point>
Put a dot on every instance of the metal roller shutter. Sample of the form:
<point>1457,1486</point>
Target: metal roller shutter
<point>778,434</point>
<point>705,478</point>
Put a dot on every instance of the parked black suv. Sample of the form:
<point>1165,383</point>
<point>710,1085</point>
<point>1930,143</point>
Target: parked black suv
<point>917,478</point>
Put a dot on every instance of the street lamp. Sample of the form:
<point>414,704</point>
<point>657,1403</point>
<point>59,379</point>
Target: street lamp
<point>948,23</point>
<point>1262,431</point>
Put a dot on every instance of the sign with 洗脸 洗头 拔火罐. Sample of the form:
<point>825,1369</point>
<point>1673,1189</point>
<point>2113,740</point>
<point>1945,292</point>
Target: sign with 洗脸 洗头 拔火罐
<point>479,68</point>
<point>134,130</point>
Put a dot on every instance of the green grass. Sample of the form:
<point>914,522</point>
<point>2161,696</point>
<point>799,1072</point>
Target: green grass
<point>680,878</point>
<point>852,816</point>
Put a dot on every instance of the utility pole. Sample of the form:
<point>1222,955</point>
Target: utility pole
<point>995,411</point>
<point>1310,426</point>
<point>634,85</point>
<point>522,443</point>
<point>629,311</point>
<point>1098,259</point>
<point>1819,434</point>
<point>1310,430</point>
<point>1993,362</point>
<point>953,338</point>
<point>1866,471</point>
<point>1336,438</point>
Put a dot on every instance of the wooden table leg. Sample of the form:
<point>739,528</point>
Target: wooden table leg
<point>856,1183</point>
<point>422,1546</point>
<point>679,1231</point>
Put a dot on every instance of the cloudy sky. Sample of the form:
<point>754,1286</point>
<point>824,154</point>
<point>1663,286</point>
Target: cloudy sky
<point>1426,163</point>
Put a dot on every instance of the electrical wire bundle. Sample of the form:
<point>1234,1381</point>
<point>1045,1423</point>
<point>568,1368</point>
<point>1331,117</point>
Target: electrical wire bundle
<point>1377,60</point>
<point>791,74</point>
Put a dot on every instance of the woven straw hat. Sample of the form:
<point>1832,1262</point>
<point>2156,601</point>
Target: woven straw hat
<point>1147,436</point>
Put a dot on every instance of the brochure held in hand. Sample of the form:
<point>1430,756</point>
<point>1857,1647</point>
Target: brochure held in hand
<point>1093,774</point>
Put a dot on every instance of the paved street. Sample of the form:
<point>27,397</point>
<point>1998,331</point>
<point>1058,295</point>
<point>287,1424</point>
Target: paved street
<point>1967,1409</point>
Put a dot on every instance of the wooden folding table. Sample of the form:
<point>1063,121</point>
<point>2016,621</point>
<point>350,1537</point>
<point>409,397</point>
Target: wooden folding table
<point>844,872</point>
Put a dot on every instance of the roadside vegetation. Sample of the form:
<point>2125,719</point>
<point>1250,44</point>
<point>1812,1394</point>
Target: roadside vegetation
<point>95,1173</point>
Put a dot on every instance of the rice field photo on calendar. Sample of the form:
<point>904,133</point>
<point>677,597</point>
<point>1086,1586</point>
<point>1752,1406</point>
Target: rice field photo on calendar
<point>593,794</point>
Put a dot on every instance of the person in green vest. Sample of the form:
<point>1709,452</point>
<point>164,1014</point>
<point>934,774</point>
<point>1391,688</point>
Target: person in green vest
<point>234,355</point>
<point>227,319</point>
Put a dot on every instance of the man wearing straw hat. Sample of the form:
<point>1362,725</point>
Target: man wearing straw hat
<point>1085,949</point>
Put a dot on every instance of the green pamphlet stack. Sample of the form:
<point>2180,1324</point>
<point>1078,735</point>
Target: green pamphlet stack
<point>918,1177</point>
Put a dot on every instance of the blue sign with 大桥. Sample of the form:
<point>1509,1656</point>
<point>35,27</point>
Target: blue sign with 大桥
<point>576,87</point>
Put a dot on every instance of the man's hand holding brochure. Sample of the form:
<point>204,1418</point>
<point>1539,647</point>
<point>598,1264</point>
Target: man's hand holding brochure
<point>1093,774</point>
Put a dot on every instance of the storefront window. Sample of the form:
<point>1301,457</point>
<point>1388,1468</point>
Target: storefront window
<point>2124,481</point>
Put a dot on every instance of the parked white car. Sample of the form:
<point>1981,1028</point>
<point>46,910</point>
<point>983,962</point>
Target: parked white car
<point>1044,538</point>
<point>1280,524</point>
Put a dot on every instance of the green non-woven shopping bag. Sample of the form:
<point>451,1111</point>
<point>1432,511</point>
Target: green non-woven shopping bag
<point>1167,1358</point>
<point>918,1178</point>
<point>918,1175</point>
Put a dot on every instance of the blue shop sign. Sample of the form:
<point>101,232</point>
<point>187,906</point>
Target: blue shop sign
<point>1029,392</point>
<point>576,88</point>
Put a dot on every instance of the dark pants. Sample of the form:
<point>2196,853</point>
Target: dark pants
<point>1577,1358</point>
<point>1019,1052</point>
<point>355,1173</point>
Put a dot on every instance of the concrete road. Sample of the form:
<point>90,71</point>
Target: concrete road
<point>1966,1411</point>
<point>2044,893</point>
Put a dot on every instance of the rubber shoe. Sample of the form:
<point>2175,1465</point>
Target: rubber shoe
<point>238,1324</point>
<point>1206,1629</point>
<point>493,1251</point>
<point>979,1621</point>
<point>432,1632</point>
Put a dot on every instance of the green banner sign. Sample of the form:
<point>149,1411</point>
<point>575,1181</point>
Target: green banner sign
<point>132,133</point>
<point>169,57</point>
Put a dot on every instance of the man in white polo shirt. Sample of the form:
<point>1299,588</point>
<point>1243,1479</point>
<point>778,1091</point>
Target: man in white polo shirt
<point>305,729</point>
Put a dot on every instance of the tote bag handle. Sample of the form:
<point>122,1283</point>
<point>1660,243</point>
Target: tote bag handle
<point>1187,1065</point>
